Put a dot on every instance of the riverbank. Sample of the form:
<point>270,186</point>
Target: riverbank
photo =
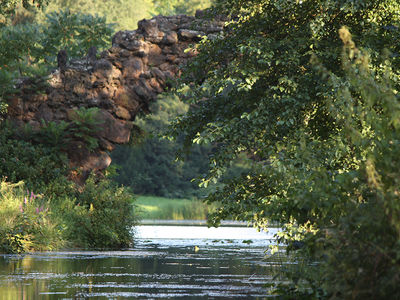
<point>48,221</point>
<point>160,208</point>
<point>190,223</point>
<point>224,223</point>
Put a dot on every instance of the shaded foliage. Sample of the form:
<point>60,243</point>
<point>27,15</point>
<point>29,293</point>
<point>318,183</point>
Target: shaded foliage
<point>23,160</point>
<point>149,167</point>
<point>30,49</point>
<point>79,216</point>
<point>319,122</point>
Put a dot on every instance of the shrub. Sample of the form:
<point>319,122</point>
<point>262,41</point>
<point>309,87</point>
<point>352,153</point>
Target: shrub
<point>21,160</point>
<point>83,214</point>
<point>101,217</point>
<point>76,32</point>
<point>28,223</point>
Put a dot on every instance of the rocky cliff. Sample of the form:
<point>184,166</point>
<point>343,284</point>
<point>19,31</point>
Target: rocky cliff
<point>120,83</point>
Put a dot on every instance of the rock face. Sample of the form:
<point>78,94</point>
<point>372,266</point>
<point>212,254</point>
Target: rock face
<point>121,83</point>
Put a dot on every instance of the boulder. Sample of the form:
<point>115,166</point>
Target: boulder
<point>112,129</point>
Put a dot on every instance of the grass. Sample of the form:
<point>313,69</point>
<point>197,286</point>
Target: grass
<point>159,208</point>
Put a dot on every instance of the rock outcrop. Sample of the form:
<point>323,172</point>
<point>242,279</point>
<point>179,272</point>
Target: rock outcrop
<point>121,83</point>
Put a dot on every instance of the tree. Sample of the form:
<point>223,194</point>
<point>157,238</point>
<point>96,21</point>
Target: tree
<point>29,50</point>
<point>313,132</point>
<point>123,13</point>
<point>149,165</point>
<point>7,10</point>
<point>8,7</point>
<point>68,213</point>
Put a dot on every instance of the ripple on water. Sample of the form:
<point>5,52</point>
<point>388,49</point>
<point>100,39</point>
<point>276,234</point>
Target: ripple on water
<point>155,268</point>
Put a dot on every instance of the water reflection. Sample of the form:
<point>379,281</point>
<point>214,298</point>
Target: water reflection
<point>155,268</point>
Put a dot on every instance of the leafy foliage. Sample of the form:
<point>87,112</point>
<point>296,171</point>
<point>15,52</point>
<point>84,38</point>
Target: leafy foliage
<point>78,217</point>
<point>123,13</point>
<point>8,7</point>
<point>103,217</point>
<point>149,167</point>
<point>28,224</point>
<point>19,45</point>
<point>23,160</point>
<point>322,135</point>
<point>262,90</point>
<point>367,233</point>
<point>84,126</point>
<point>36,45</point>
<point>74,32</point>
<point>58,136</point>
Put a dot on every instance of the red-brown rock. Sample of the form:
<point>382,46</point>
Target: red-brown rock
<point>126,78</point>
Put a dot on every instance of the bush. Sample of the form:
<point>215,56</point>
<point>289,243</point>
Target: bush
<point>83,214</point>
<point>102,217</point>
<point>21,160</point>
<point>75,32</point>
<point>27,221</point>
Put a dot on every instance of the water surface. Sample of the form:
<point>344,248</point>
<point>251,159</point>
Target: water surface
<point>189,262</point>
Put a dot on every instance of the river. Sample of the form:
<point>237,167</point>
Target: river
<point>168,261</point>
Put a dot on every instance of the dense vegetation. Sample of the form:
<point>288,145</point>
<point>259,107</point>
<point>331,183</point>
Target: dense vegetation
<point>315,105</point>
<point>149,166</point>
<point>126,13</point>
<point>40,208</point>
<point>306,91</point>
